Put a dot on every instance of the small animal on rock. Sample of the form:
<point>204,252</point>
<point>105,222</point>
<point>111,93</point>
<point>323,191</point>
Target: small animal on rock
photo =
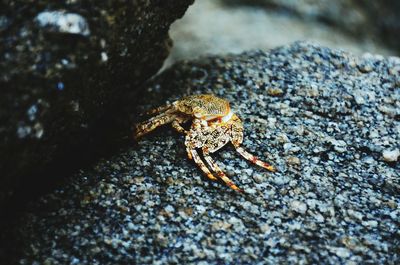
<point>213,126</point>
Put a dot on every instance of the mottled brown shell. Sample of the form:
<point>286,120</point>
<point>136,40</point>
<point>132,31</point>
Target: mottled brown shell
<point>203,106</point>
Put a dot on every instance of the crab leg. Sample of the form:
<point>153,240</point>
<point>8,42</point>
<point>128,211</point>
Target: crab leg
<point>221,174</point>
<point>158,110</point>
<point>201,164</point>
<point>147,126</point>
<point>189,154</point>
<point>176,125</point>
<point>254,159</point>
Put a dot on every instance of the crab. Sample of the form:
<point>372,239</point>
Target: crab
<point>213,126</point>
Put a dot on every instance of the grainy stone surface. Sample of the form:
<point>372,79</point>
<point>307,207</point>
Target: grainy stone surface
<point>335,200</point>
<point>63,67</point>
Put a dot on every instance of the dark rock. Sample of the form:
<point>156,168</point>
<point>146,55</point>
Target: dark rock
<point>64,68</point>
<point>151,204</point>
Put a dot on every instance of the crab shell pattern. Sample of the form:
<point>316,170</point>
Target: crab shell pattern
<point>213,126</point>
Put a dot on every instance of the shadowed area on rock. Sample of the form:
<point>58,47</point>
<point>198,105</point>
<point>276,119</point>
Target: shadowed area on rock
<point>65,67</point>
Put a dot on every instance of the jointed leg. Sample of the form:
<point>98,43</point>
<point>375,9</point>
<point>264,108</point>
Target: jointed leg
<point>178,127</point>
<point>254,159</point>
<point>158,110</point>
<point>147,126</point>
<point>201,164</point>
<point>188,151</point>
<point>220,173</point>
<point>237,139</point>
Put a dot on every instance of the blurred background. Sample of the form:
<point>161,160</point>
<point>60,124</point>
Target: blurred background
<point>232,26</point>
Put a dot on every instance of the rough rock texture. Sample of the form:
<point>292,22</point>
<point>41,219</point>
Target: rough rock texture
<point>379,19</point>
<point>63,67</point>
<point>323,117</point>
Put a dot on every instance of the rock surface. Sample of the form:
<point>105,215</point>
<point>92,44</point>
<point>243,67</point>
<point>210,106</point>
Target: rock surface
<point>63,67</point>
<point>321,116</point>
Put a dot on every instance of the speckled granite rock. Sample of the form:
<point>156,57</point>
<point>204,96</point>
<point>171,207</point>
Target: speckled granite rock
<point>368,18</point>
<point>323,117</point>
<point>63,67</point>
